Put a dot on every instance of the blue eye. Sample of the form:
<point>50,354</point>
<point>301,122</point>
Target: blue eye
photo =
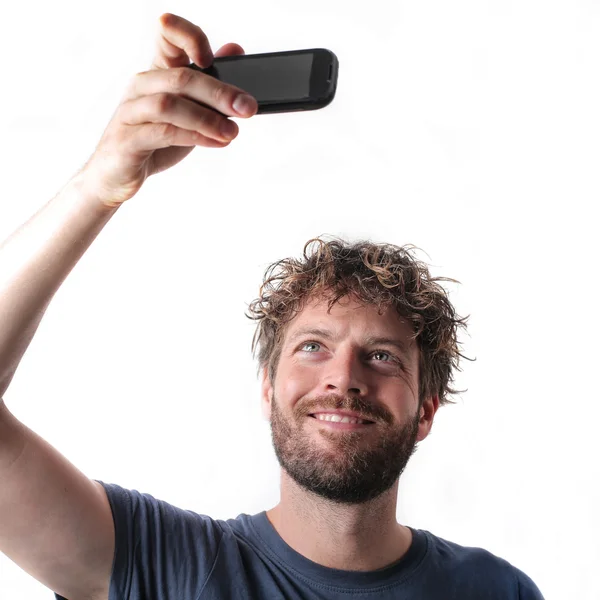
<point>309,343</point>
<point>382,352</point>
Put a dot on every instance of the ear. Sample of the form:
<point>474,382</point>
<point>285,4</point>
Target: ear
<point>266,394</point>
<point>428,410</point>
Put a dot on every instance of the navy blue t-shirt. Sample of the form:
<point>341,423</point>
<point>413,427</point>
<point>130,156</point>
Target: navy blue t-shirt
<point>167,553</point>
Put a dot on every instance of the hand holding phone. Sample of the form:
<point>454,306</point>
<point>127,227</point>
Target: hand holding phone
<point>164,113</point>
<point>171,108</point>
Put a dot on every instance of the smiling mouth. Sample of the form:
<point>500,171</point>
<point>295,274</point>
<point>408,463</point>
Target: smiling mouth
<point>362,422</point>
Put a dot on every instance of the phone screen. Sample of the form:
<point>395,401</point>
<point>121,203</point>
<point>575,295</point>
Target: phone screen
<point>267,78</point>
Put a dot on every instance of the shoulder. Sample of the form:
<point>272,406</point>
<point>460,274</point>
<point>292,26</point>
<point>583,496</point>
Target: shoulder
<point>478,566</point>
<point>159,548</point>
<point>147,518</point>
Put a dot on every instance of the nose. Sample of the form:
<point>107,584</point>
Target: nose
<point>345,374</point>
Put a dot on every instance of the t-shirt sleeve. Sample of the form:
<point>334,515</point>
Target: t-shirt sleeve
<point>161,551</point>
<point>527,588</point>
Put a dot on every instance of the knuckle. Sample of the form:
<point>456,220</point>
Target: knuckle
<point>179,78</point>
<point>202,118</point>
<point>164,102</point>
<point>222,94</point>
<point>166,131</point>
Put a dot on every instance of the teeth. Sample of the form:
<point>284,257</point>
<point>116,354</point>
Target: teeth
<point>338,418</point>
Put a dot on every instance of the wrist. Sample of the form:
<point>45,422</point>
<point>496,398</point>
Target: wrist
<point>85,191</point>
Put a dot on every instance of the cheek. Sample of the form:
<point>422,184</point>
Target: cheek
<point>295,381</point>
<point>407,411</point>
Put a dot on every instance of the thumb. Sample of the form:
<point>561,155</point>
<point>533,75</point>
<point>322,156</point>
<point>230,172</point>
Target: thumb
<point>230,49</point>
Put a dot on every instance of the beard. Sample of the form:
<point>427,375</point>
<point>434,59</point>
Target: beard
<point>347,467</point>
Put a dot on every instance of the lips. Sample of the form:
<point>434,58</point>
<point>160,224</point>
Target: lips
<point>338,426</point>
<point>352,415</point>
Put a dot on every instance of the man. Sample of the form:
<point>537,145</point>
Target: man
<point>357,345</point>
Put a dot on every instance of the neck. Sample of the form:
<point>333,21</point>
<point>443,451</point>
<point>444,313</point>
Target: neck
<point>350,537</point>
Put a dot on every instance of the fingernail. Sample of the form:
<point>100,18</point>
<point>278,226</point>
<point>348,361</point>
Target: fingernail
<point>244,104</point>
<point>229,129</point>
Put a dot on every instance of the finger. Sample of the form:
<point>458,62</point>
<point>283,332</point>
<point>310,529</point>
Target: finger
<point>154,136</point>
<point>180,41</point>
<point>191,84</point>
<point>176,111</point>
<point>230,49</point>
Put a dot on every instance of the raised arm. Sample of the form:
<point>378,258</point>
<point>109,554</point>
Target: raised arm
<point>56,523</point>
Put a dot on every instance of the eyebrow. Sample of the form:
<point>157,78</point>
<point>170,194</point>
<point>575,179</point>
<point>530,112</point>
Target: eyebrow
<point>369,341</point>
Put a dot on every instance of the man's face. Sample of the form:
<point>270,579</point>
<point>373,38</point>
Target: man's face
<point>341,369</point>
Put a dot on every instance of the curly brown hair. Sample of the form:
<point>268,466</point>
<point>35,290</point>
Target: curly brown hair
<point>375,274</point>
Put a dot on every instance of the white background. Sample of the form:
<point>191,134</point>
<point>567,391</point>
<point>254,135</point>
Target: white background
<point>470,129</point>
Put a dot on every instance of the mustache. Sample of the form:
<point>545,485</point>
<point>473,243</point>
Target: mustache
<point>336,402</point>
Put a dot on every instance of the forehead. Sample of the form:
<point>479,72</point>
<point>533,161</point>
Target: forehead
<point>350,318</point>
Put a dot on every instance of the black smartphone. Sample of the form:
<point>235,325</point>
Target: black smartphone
<point>281,81</point>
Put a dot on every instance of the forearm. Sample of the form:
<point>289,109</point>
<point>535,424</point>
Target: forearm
<point>34,262</point>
